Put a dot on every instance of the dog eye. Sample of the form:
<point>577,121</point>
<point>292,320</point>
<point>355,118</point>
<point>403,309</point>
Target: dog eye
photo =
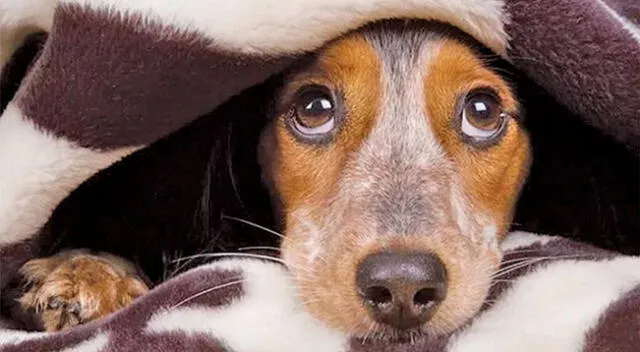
<point>482,116</point>
<point>313,112</point>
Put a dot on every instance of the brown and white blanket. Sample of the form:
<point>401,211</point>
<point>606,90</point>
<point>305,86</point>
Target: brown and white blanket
<point>556,295</point>
<point>117,75</point>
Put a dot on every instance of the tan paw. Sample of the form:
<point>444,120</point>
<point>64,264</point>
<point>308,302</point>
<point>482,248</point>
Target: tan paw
<point>75,287</point>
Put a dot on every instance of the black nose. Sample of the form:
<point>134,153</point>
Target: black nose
<point>402,289</point>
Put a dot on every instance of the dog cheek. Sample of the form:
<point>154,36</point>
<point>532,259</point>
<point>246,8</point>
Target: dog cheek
<point>468,289</point>
<point>290,251</point>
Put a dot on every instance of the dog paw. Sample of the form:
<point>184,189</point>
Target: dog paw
<point>62,312</point>
<point>76,287</point>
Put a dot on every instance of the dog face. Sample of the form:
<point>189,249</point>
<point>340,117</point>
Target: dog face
<point>396,157</point>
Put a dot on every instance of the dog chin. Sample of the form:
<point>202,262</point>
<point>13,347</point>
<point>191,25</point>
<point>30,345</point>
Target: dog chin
<point>394,336</point>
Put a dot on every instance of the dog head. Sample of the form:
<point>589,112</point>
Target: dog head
<point>396,156</point>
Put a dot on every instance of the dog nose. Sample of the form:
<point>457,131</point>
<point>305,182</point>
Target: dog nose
<point>401,289</point>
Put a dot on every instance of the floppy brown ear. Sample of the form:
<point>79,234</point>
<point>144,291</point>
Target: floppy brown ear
<point>132,288</point>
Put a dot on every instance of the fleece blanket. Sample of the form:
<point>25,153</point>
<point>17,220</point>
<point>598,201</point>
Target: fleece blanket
<point>117,75</point>
<point>553,295</point>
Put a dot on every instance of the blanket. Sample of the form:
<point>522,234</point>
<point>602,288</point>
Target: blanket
<point>115,76</point>
<point>554,295</point>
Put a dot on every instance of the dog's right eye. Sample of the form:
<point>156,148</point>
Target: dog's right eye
<point>313,112</point>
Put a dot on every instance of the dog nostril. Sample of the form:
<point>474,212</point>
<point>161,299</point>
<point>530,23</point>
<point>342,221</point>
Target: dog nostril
<point>378,295</point>
<point>401,289</point>
<point>426,297</point>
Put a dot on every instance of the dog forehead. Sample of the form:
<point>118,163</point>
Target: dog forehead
<point>401,158</point>
<point>402,132</point>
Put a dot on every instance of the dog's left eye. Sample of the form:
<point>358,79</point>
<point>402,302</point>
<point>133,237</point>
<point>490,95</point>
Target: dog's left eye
<point>482,116</point>
<point>313,112</point>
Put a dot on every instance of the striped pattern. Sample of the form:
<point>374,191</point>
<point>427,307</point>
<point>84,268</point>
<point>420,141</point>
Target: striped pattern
<point>116,75</point>
<point>560,296</point>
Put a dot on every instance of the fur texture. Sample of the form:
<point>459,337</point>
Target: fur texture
<point>110,81</point>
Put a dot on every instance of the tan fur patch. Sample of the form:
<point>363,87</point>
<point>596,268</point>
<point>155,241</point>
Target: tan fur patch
<point>75,287</point>
<point>307,173</point>
<point>307,176</point>
<point>491,176</point>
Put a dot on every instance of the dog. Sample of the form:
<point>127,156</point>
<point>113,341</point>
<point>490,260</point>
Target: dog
<point>394,156</point>
<point>76,286</point>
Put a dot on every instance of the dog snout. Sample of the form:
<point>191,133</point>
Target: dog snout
<point>401,289</point>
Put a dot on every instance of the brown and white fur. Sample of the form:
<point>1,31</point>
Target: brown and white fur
<point>396,173</point>
<point>393,170</point>
<point>75,287</point>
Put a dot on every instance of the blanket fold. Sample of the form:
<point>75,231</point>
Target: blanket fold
<point>117,75</point>
<point>244,305</point>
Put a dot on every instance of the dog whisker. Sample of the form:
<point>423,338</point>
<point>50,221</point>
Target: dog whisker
<point>177,268</point>
<point>516,260</point>
<point>209,290</point>
<point>514,267</point>
<point>519,251</point>
<point>250,223</point>
<point>230,171</point>
<point>370,330</point>
<point>519,265</point>
<point>230,254</point>
<point>533,260</point>
<point>448,323</point>
<point>252,248</point>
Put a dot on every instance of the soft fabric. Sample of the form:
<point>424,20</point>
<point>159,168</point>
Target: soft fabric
<point>556,296</point>
<point>115,76</point>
